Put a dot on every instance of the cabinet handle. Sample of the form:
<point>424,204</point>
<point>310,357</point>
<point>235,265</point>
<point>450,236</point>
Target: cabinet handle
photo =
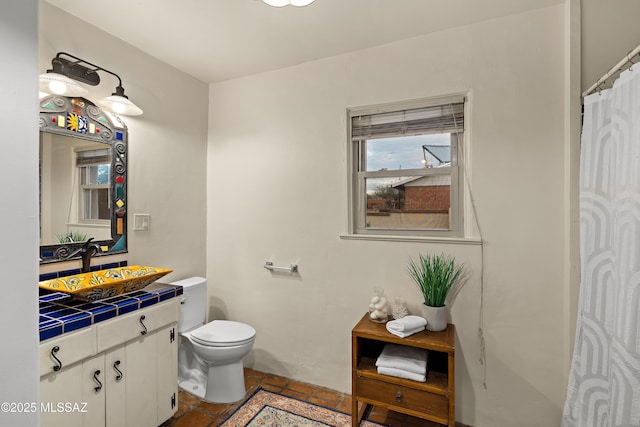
<point>115,366</point>
<point>144,332</point>
<point>57,367</point>
<point>399,397</point>
<point>95,378</point>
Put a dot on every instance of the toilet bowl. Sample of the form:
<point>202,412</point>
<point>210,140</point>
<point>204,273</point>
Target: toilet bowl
<point>210,355</point>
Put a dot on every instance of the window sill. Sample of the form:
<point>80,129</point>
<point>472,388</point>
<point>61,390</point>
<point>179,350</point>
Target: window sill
<point>89,223</point>
<point>419,239</point>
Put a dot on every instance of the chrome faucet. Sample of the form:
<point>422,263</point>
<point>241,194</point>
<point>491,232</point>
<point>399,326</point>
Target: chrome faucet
<point>88,250</point>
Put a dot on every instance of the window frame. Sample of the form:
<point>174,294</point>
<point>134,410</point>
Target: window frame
<point>83,173</point>
<point>357,173</point>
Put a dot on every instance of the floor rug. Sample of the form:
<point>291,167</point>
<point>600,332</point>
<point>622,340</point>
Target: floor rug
<point>266,408</point>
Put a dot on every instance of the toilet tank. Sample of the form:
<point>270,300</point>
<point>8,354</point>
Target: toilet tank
<point>193,307</point>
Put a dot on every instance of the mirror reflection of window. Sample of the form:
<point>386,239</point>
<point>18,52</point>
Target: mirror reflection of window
<point>94,170</point>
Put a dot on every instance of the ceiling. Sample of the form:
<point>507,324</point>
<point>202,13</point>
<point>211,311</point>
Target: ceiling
<point>216,40</point>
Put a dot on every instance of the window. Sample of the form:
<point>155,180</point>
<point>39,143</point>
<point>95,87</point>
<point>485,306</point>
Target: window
<point>95,168</point>
<point>406,168</point>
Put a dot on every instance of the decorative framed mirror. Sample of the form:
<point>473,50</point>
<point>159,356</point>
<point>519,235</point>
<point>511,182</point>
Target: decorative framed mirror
<point>83,179</point>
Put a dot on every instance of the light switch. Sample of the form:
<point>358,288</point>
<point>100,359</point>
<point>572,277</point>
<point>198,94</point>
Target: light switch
<point>141,222</point>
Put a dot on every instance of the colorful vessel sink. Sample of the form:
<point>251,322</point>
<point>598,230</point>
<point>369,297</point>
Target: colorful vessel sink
<point>101,284</point>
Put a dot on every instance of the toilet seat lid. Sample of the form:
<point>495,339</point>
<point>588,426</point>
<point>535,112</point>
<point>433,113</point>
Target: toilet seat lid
<point>222,333</point>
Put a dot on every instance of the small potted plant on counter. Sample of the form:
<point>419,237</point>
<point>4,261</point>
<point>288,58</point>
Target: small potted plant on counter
<point>435,276</point>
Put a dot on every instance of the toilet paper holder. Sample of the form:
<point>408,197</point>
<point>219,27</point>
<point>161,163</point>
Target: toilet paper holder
<point>293,268</point>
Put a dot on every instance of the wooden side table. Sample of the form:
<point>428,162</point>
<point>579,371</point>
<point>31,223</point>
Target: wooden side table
<point>432,400</point>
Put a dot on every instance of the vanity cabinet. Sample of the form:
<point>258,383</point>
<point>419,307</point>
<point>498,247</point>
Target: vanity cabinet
<point>432,400</point>
<point>127,377</point>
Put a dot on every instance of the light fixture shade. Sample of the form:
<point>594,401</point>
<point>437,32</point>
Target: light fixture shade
<point>277,3</point>
<point>59,84</point>
<point>301,2</point>
<point>281,3</point>
<point>120,105</point>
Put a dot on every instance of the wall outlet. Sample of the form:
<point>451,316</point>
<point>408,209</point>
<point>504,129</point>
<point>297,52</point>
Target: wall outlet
<point>141,222</point>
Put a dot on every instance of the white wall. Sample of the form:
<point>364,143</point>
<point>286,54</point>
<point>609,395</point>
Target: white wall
<point>167,144</point>
<point>19,210</point>
<point>610,31</point>
<point>277,191</point>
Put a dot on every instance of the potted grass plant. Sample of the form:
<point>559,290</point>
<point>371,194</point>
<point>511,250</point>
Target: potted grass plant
<point>435,276</point>
<point>71,237</point>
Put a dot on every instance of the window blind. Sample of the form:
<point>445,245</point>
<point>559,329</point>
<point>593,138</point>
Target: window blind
<point>415,121</point>
<point>93,157</point>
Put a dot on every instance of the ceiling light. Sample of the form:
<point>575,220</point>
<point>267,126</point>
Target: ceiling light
<point>281,3</point>
<point>65,73</point>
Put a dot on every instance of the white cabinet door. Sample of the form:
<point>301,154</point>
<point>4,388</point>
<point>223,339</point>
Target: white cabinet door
<point>167,372</point>
<point>141,385</point>
<point>116,380</point>
<point>64,385</point>
<point>151,369</point>
<point>74,396</point>
<point>93,391</point>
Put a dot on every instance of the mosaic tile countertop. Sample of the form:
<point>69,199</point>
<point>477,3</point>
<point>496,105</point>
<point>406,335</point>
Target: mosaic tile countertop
<point>60,313</point>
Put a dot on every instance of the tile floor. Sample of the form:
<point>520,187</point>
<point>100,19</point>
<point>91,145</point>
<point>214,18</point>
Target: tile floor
<point>192,412</point>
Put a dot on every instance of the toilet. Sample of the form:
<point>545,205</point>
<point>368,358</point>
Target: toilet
<point>210,354</point>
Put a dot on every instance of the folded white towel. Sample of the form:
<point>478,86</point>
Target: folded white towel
<point>411,359</point>
<point>406,322</point>
<point>406,332</point>
<point>400,373</point>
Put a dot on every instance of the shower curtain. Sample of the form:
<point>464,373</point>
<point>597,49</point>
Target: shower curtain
<point>604,380</point>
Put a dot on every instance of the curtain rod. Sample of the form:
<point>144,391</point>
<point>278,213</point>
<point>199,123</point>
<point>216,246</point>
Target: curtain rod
<point>624,61</point>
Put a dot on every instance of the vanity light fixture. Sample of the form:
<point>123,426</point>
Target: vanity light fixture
<point>64,75</point>
<point>281,3</point>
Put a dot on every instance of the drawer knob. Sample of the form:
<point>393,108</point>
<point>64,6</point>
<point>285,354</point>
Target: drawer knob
<point>95,378</point>
<point>118,371</point>
<point>399,397</point>
<point>144,331</point>
<point>57,367</point>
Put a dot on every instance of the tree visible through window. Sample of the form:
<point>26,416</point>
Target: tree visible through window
<point>406,168</point>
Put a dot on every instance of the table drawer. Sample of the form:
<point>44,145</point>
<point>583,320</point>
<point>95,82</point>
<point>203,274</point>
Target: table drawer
<point>394,395</point>
<point>67,349</point>
<point>133,325</point>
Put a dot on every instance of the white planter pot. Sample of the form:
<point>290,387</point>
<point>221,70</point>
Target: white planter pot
<point>436,317</point>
